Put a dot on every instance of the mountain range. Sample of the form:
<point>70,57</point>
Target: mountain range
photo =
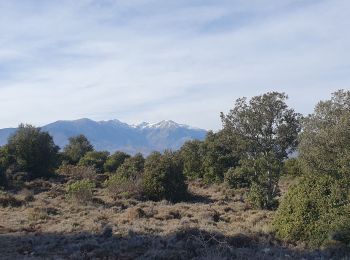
<point>114,135</point>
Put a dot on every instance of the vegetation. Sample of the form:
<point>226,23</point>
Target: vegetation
<point>132,167</point>
<point>316,210</point>
<point>219,155</point>
<point>32,151</point>
<point>191,156</point>
<point>81,191</point>
<point>163,177</point>
<point>230,182</point>
<point>94,159</point>
<point>115,161</point>
<point>77,147</point>
<point>265,131</point>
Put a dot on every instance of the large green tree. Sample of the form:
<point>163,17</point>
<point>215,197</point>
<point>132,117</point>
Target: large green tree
<point>77,147</point>
<point>325,141</point>
<point>33,151</point>
<point>265,131</point>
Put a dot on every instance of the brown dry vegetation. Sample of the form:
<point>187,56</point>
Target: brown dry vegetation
<point>39,222</point>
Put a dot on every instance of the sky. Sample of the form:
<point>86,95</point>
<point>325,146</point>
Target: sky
<point>182,60</point>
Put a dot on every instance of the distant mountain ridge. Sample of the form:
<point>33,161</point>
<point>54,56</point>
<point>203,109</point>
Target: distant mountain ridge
<point>114,135</point>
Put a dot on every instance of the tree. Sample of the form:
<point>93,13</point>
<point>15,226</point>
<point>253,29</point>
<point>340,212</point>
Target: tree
<point>77,147</point>
<point>191,156</point>
<point>163,177</point>
<point>316,210</point>
<point>33,151</point>
<point>265,131</point>
<point>325,141</point>
<point>219,155</point>
<point>94,159</point>
<point>115,161</point>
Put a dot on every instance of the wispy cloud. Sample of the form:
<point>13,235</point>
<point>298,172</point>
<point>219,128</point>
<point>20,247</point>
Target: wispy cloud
<point>147,60</point>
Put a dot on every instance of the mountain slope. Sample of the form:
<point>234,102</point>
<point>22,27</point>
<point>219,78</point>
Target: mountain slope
<point>114,135</point>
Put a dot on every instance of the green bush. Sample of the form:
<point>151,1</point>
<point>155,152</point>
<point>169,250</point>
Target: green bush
<point>94,159</point>
<point>80,191</point>
<point>163,177</point>
<point>258,197</point>
<point>33,151</point>
<point>115,161</point>
<point>132,167</point>
<point>191,156</point>
<point>77,147</point>
<point>316,210</point>
<point>292,167</point>
<point>237,178</point>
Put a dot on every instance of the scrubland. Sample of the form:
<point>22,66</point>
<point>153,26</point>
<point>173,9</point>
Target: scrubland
<point>40,222</point>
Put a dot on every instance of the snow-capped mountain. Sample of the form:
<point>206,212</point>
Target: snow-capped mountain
<point>113,135</point>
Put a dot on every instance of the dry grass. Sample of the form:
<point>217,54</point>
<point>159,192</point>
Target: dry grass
<point>214,224</point>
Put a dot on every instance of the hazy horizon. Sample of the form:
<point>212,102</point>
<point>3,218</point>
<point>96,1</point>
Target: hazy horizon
<point>152,60</point>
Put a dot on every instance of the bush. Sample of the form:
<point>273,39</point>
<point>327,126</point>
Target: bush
<point>121,186</point>
<point>94,159</point>
<point>292,167</point>
<point>115,161</point>
<point>77,172</point>
<point>191,156</point>
<point>258,197</point>
<point>77,147</point>
<point>132,167</point>
<point>33,151</point>
<point>3,179</point>
<point>316,211</point>
<point>81,191</point>
<point>218,156</point>
<point>237,178</point>
<point>163,177</point>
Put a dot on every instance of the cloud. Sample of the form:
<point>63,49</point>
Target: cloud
<point>147,60</point>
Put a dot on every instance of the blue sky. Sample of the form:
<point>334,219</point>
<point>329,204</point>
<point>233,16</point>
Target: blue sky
<point>149,60</point>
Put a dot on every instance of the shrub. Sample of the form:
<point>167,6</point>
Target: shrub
<point>121,186</point>
<point>132,167</point>
<point>77,147</point>
<point>315,210</point>
<point>218,156</point>
<point>81,191</point>
<point>77,172</point>
<point>163,177</point>
<point>94,159</point>
<point>115,161</point>
<point>33,151</point>
<point>191,156</point>
<point>8,200</point>
<point>3,179</point>
<point>292,167</point>
<point>237,178</point>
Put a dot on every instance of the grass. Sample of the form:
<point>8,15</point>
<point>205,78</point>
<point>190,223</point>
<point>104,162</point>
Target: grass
<point>214,223</point>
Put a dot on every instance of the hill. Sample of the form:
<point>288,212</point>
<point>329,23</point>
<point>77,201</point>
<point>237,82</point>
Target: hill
<point>115,135</point>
